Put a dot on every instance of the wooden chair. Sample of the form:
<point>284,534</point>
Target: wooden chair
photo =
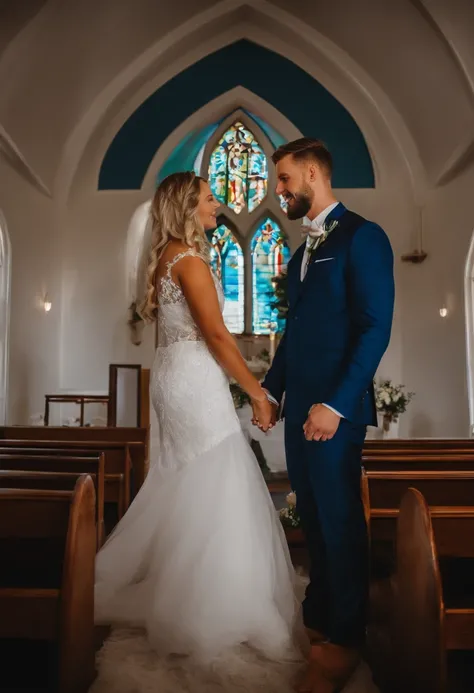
<point>47,545</point>
<point>66,470</point>
<point>81,400</point>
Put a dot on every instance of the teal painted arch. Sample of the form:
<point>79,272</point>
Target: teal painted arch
<point>272,77</point>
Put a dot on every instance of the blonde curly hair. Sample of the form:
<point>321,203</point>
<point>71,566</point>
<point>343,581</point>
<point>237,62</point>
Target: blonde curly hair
<point>174,215</point>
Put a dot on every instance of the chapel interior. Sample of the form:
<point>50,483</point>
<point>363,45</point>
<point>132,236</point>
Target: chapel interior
<point>100,100</point>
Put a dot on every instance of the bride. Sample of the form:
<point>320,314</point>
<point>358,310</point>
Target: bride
<point>199,561</point>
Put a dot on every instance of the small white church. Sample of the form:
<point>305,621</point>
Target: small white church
<point>99,101</point>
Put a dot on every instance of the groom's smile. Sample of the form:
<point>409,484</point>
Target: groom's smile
<point>293,188</point>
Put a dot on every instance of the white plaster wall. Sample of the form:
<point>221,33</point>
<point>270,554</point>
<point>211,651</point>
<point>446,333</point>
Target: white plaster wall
<point>434,349</point>
<point>94,328</point>
<point>36,269</point>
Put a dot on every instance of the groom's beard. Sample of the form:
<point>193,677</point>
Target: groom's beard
<point>299,207</point>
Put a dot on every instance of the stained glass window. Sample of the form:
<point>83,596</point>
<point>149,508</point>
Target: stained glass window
<point>283,204</point>
<point>238,171</point>
<point>270,256</point>
<point>227,261</point>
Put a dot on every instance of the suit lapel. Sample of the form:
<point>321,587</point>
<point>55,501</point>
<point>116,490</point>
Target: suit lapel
<point>299,286</point>
<point>297,260</point>
<point>335,215</point>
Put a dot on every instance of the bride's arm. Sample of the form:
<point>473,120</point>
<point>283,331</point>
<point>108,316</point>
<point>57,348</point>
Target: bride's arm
<point>198,287</point>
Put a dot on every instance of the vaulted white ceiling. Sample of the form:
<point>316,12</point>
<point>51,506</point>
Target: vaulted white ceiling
<point>404,69</point>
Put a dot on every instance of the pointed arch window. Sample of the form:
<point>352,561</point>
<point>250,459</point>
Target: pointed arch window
<point>270,256</point>
<point>249,247</point>
<point>227,260</point>
<point>238,170</point>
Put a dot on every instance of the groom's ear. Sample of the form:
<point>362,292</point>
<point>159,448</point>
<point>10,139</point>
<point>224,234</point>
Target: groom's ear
<point>313,171</point>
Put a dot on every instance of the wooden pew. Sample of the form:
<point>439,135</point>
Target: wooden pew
<point>405,460</point>
<point>445,486</point>
<point>394,454</point>
<point>135,438</point>
<point>439,486</point>
<point>419,444</point>
<point>47,548</point>
<point>419,658</point>
<point>429,619</point>
<point>117,461</point>
<point>66,469</point>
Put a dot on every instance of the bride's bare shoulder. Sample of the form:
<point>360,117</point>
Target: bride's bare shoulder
<point>172,250</point>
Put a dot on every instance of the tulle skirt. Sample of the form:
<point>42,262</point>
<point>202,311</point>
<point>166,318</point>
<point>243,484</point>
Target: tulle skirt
<point>200,560</point>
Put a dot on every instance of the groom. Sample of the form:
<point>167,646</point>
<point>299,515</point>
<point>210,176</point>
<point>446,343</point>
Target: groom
<point>341,296</point>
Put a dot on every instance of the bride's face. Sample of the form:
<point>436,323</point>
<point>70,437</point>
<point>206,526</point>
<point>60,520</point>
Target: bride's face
<point>207,207</point>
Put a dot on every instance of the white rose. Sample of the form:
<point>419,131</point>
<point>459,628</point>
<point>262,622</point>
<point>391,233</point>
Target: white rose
<point>291,499</point>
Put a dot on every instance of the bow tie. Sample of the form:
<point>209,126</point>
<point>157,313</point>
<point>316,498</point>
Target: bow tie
<point>312,230</point>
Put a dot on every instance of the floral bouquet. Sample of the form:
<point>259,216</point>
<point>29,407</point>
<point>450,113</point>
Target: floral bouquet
<point>289,516</point>
<point>391,400</point>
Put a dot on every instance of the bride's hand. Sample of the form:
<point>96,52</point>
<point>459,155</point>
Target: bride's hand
<point>262,414</point>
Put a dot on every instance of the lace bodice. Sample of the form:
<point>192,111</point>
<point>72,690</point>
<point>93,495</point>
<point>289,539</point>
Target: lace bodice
<point>175,322</point>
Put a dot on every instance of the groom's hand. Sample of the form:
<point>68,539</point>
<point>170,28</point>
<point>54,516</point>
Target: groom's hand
<point>263,414</point>
<point>321,424</point>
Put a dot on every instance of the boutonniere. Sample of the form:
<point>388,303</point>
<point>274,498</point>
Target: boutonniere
<point>315,238</point>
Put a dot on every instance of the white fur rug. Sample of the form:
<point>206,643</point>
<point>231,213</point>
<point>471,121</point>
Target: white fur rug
<point>127,665</point>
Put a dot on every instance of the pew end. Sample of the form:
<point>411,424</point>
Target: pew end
<point>47,543</point>
<point>419,624</point>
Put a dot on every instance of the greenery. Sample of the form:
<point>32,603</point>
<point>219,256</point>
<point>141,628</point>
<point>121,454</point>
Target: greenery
<point>239,396</point>
<point>289,516</point>
<point>281,287</point>
<point>134,315</point>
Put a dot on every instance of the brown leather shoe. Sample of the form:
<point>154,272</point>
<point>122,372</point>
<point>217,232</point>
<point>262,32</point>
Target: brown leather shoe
<point>335,666</point>
<point>312,674</point>
<point>314,681</point>
<point>315,636</point>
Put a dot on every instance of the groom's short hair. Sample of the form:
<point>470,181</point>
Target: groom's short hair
<point>306,149</point>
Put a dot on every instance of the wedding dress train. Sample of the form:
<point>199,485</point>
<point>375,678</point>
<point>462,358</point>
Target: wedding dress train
<point>196,578</point>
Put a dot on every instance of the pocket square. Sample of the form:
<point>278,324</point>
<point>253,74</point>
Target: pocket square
<point>323,259</point>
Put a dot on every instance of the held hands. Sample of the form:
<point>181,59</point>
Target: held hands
<point>321,424</point>
<point>264,414</point>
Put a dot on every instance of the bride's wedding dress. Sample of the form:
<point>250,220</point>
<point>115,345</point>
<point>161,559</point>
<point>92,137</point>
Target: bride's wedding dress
<point>196,578</point>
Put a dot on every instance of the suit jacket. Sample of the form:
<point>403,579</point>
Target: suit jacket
<point>338,324</point>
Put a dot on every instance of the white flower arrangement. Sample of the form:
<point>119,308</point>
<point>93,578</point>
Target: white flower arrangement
<point>391,400</point>
<point>289,516</point>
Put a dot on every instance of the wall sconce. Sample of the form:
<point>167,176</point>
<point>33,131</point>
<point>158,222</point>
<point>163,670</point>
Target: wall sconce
<point>47,304</point>
<point>443,312</point>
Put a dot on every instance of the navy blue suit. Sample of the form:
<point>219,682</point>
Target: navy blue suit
<point>338,328</point>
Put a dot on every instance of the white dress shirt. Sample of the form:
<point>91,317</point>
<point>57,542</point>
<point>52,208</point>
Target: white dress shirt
<point>316,224</point>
